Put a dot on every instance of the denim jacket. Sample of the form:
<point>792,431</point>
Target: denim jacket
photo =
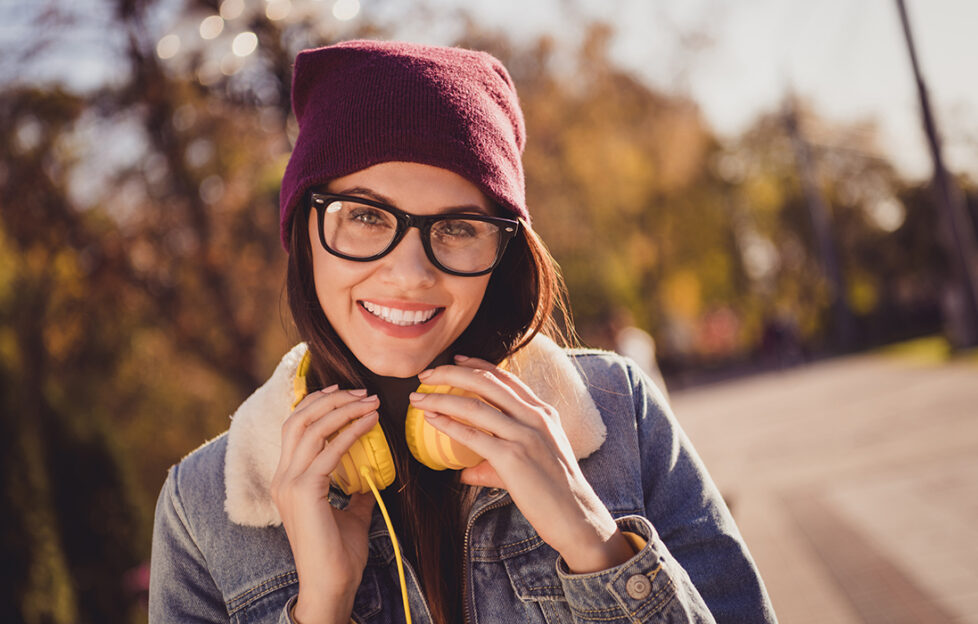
<point>220,553</point>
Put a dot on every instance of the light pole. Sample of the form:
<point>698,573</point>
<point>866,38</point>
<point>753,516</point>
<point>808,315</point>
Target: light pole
<point>958,236</point>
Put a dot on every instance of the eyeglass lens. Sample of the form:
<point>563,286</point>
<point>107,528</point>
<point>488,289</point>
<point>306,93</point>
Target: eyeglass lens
<point>363,231</point>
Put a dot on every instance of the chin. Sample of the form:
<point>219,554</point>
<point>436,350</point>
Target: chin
<point>402,369</point>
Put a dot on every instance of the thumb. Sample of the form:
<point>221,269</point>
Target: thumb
<point>481,474</point>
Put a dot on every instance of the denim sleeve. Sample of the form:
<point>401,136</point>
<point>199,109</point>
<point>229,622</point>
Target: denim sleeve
<point>695,566</point>
<point>690,516</point>
<point>181,588</point>
<point>649,587</point>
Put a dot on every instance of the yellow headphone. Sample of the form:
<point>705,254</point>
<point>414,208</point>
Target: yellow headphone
<point>430,446</point>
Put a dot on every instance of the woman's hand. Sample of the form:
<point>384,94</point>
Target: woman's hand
<point>527,453</point>
<point>329,546</point>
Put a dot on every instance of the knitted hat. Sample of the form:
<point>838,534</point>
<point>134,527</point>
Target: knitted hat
<point>360,103</point>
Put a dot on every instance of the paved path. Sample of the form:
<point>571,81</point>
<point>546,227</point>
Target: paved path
<point>855,484</point>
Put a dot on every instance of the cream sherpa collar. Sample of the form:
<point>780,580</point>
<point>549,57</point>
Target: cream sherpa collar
<point>254,438</point>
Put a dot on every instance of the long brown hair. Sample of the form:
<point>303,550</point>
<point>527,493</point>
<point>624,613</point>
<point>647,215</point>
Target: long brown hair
<point>525,296</point>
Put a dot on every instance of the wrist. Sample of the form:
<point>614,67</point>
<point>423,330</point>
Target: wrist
<point>309,611</point>
<point>599,555</point>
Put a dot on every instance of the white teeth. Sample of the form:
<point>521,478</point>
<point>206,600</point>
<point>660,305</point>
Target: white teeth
<point>400,317</point>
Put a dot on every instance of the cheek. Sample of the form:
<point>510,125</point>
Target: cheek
<point>470,293</point>
<point>333,278</point>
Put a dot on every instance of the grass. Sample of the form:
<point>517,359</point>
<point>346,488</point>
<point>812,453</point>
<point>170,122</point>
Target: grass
<point>929,351</point>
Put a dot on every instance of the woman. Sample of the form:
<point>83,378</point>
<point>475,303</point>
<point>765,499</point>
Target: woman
<point>412,259</point>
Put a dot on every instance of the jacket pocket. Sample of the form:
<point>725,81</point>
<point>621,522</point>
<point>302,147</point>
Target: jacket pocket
<point>265,601</point>
<point>367,602</point>
<point>531,565</point>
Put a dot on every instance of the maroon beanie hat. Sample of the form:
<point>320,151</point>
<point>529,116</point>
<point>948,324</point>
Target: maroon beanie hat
<point>360,103</point>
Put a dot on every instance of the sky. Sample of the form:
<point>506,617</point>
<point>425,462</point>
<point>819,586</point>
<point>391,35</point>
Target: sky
<point>735,58</point>
<point>848,58</point>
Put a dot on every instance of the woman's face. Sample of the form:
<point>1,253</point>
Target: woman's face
<point>361,299</point>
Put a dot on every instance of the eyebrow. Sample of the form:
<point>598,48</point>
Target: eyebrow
<point>378,197</point>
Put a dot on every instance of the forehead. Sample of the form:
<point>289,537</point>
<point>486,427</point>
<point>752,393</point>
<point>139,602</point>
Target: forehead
<point>413,187</point>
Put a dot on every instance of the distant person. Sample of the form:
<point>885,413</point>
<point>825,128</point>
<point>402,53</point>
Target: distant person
<point>636,343</point>
<point>781,344</point>
<point>525,483</point>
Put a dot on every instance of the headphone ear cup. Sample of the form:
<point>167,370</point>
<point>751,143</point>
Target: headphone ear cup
<point>370,450</point>
<point>430,446</point>
<point>299,384</point>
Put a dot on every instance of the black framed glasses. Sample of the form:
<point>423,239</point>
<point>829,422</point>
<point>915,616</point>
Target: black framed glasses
<point>359,229</point>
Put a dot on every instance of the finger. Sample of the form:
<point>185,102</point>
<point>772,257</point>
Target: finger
<point>470,411</point>
<point>521,389</point>
<point>485,383</point>
<point>315,436</point>
<point>312,407</point>
<point>482,474</point>
<point>481,442</point>
<point>314,396</point>
<point>328,458</point>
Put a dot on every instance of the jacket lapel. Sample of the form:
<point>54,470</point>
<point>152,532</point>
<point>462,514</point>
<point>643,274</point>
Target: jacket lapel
<point>254,437</point>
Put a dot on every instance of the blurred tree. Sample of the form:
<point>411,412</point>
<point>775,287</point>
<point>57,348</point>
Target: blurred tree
<point>885,248</point>
<point>642,206</point>
<point>617,185</point>
<point>61,333</point>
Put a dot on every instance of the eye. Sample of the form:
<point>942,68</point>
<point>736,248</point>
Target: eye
<point>458,229</point>
<point>368,216</point>
<point>360,214</point>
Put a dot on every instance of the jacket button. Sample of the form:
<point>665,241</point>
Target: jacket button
<point>638,586</point>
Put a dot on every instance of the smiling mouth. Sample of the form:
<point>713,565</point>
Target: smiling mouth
<point>401,318</point>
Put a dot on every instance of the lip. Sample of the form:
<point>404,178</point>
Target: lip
<point>400,331</point>
<point>411,306</point>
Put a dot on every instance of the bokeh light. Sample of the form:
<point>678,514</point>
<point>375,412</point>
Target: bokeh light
<point>888,214</point>
<point>208,73</point>
<point>244,43</point>
<point>211,26</point>
<point>199,152</point>
<point>232,9</point>
<point>184,117</point>
<point>344,10</point>
<point>211,189</point>
<point>230,64</point>
<point>168,46</point>
<point>278,9</point>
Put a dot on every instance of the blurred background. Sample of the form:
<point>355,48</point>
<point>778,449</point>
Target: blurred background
<point>755,186</point>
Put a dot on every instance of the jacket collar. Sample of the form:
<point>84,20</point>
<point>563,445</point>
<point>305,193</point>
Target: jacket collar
<point>254,437</point>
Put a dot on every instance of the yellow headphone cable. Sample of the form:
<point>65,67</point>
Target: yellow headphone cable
<point>365,473</point>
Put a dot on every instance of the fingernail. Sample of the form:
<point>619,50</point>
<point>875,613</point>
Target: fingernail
<point>425,373</point>
<point>417,397</point>
<point>358,392</point>
<point>369,399</point>
<point>329,389</point>
<point>461,358</point>
<point>430,415</point>
<point>370,414</point>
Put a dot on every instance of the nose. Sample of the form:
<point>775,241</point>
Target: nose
<point>407,266</point>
